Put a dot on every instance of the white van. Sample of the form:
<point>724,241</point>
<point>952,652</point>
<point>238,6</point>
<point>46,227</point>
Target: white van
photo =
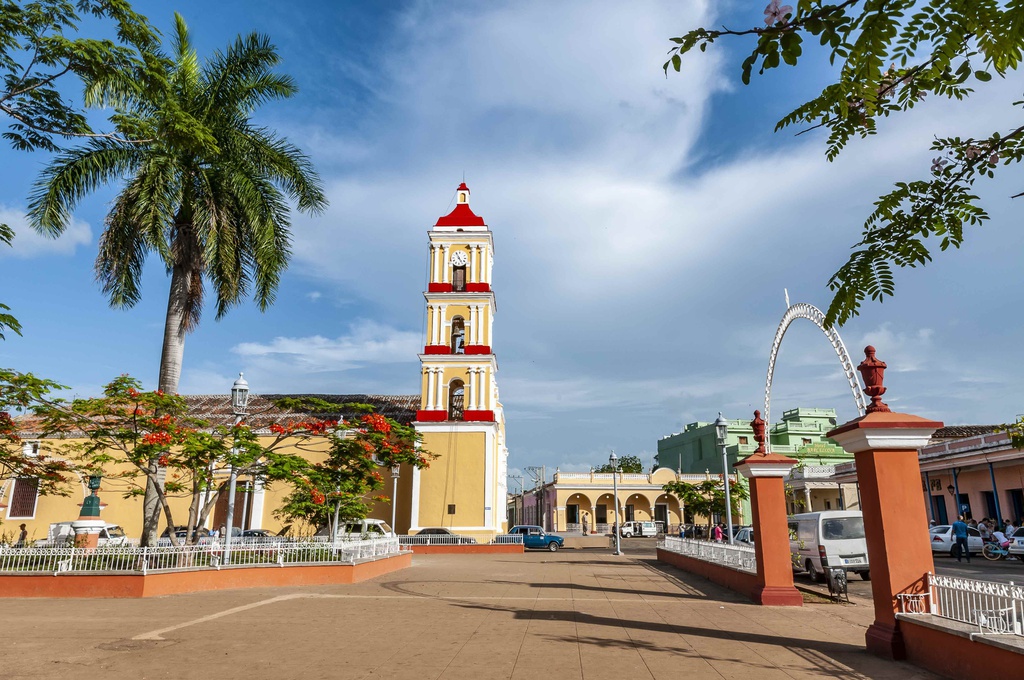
<point>355,529</point>
<point>832,538</point>
<point>630,529</point>
<point>63,533</point>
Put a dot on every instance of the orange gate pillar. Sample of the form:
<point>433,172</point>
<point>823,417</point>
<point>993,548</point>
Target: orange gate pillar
<point>885,446</point>
<point>766,472</point>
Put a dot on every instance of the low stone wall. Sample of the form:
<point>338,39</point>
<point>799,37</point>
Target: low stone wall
<point>742,582</point>
<point>955,650</point>
<point>481,549</point>
<point>191,581</point>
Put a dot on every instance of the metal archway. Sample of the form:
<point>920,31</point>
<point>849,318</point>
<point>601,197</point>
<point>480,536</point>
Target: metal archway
<point>802,310</point>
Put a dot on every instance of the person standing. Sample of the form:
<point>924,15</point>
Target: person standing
<point>716,533</point>
<point>960,535</point>
<point>22,537</point>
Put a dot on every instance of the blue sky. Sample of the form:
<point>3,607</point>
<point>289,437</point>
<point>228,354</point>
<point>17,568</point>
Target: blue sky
<point>655,220</point>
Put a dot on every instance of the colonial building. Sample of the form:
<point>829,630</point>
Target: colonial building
<point>800,435</point>
<point>967,469</point>
<point>573,499</point>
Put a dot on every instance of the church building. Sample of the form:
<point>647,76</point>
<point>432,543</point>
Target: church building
<point>460,415</point>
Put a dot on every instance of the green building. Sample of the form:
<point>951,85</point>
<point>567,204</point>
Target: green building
<point>800,435</point>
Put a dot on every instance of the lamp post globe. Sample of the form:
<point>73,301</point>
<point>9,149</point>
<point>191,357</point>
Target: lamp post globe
<point>722,438</point>
<point>613,461</point>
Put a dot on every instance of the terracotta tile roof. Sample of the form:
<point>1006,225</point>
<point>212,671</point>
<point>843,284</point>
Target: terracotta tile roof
<point>963,431</point>
<point>262,409</point>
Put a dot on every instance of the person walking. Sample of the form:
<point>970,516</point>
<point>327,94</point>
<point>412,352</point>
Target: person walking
<point>716,533</point>
<point>960,535</point>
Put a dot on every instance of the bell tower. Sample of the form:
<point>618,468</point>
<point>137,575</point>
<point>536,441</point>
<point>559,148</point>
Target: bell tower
<point>460,416</point>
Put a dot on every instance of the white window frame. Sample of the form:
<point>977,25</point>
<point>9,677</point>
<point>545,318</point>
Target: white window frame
<point>10,505</point>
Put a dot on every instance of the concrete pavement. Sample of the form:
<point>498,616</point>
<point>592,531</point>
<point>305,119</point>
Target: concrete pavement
<point>571,614</point>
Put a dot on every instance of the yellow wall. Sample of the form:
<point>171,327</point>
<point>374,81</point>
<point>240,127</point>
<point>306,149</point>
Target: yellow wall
<point>456,476</point>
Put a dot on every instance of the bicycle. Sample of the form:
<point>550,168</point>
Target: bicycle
<point>993,551</point>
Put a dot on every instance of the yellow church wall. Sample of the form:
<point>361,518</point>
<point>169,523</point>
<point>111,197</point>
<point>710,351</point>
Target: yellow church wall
<point>457,476</point>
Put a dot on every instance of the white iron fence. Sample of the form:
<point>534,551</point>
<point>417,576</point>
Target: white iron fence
<point>133,559</point>
<point>740,557</point>
<point>996,608</point>
<point>507,539</point>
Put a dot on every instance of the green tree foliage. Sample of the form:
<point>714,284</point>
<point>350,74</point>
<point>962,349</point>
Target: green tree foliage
<point>707,498</point>
<point>631,464</point>
<point>890,55</point>
<point>21,393</point>
<point>40,49</point>
<point>119,434</point>
<point>7,321</point>
<point>341,485</point>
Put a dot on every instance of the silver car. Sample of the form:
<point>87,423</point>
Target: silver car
<point>745,536</point>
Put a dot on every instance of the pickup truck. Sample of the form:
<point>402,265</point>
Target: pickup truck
<point>534,537</point>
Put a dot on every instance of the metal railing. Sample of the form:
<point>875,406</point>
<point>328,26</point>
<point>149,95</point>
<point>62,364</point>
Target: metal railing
<point>507,539</point>
<point>133,559</point>
<point>436,539</point>
<point>740,557</point>
<point>996,608</point>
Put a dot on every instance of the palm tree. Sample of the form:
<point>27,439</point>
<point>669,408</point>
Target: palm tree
<point>204,188</point>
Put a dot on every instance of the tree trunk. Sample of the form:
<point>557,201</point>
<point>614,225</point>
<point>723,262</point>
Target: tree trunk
<point>170,373</point>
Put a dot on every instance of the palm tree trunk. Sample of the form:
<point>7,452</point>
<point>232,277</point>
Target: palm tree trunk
<point>170,373</point>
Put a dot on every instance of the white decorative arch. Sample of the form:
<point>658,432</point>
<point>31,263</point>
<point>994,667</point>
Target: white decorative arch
<point>802,310</point>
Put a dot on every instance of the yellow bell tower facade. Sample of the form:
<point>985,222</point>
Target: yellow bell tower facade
<point>460,416</point>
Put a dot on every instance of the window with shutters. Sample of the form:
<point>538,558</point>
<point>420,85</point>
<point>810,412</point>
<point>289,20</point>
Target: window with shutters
<point>23,498</point>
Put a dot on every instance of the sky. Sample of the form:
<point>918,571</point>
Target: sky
<point>645,228</point>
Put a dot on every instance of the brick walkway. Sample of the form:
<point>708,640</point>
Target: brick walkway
<point>572,614</point>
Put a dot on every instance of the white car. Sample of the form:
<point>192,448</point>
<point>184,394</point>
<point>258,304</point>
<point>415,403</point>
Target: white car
<point>630,529</point>
<point>942,540</point>
<point>1017,544</point>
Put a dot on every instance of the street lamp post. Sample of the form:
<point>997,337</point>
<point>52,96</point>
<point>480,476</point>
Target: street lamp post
<point>239,401</point>
<point>613,460</point>
<point>722,436</point>
<point>395,469</point>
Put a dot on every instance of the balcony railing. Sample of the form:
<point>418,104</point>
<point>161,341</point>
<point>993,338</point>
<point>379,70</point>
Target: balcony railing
<point>739,557</point>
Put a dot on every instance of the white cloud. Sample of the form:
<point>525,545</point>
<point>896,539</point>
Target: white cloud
<point>368,342</point>
<point>27,243</point>
<point>314,295</point>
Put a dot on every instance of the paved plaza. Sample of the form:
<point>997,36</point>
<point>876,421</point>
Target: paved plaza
<point>572,614</point>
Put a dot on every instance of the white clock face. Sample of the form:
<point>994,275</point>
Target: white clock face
<point>459,259</point>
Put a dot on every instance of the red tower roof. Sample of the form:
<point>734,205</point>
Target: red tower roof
<point>462,215</point>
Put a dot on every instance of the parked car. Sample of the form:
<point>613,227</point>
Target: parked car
<point>442,536</point>
<point>745,536</point>
<point>1017,544</point>
<point>63,533</point>
<point>536,538</point>
<point>355,529</point>
<point>831,538</point>
<point>941,538</point>
<point>630,529</point>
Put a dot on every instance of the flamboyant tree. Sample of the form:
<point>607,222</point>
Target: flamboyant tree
<point>342,484</point>
<point>119,433</point>
<point>889,56</point>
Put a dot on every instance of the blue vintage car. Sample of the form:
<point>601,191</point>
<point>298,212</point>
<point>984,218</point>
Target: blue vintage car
<point>534,537</point>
